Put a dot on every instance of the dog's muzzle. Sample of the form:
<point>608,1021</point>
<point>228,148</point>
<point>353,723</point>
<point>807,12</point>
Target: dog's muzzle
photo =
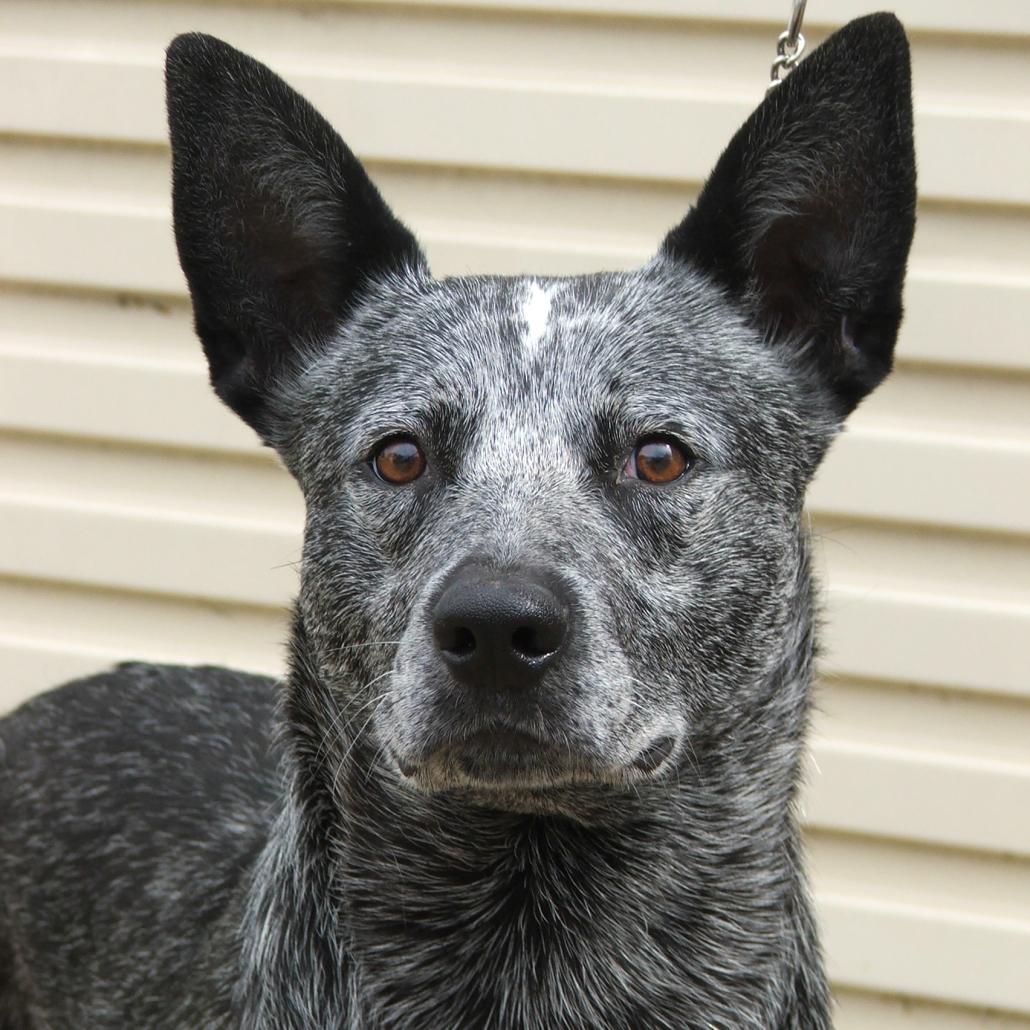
<point>503,697</point>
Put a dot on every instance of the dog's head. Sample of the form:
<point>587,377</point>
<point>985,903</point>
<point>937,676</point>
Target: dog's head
<point>553,524</point>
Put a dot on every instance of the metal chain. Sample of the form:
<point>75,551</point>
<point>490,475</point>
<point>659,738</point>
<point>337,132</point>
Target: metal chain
<point>789,47</point>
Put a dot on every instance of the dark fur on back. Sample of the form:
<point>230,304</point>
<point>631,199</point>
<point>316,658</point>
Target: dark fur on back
<point>201,848</point>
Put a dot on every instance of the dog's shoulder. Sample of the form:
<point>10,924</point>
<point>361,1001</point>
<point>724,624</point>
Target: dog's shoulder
<point>136,710</point>
<point>139,767</point>
<point>152,786</point>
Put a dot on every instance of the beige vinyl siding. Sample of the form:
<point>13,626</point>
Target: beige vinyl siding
<point>139,519</point>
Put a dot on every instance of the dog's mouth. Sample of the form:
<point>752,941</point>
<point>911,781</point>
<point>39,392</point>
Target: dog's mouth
<point>507,760</point>
<point>505,757</point>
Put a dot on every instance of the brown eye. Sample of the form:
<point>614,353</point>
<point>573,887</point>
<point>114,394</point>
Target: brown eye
<point>657,459</point>
<point>399,461</point>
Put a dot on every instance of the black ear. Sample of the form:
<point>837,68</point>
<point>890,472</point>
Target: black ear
<point>278,226</point>
<point>808,217</point>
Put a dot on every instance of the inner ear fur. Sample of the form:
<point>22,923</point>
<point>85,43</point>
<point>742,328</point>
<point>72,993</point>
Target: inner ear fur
<point>277,224</point>
<point>808,216</point>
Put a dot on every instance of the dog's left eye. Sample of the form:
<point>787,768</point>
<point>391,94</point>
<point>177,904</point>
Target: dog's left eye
<point>659,460</point>
<point>399,460</point>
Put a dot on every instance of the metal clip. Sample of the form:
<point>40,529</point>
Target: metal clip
<point>789,46</point>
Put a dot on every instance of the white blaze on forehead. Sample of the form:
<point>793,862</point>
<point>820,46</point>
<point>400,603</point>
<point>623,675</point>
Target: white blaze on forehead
<point>536,310</point>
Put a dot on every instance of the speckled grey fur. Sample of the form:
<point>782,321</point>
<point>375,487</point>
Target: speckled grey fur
<point>203,848</point>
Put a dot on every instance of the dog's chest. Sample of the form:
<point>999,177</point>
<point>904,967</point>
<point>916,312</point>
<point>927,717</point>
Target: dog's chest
<point>581,942</point>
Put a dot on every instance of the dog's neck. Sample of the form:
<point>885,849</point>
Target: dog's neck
<point>395,909</point>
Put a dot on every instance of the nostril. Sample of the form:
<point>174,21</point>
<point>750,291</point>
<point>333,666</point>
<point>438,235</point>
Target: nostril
<point>463,642</point>
<point>455,642</point>
<point>531,642</point>
<point>527,641</point>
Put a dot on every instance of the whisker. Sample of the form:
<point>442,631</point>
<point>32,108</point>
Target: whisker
<point>354,740</point>
<point>337,723</point>
<point>363,643</point>
<point>342,718</point>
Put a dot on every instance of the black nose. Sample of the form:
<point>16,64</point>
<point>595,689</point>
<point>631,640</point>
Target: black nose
<point>499,629</point>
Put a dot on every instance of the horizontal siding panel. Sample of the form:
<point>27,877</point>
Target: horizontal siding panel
<point>945,880</point>
<point>905,948</point>
<point>891,472</point>
<point>50,633</point>
<point>946,723</point>
<point>951,317</point>
<point>956,400</point>
<point>862,1010</point>
<point>921,559</point>
<point>716,56</point>
<point>869,887</point>
<point>217,559</point>
<point>500,43</point>
<point>93,248</point>
<point>962,320</point>
<point>88,18</point>
<point>42,320</point>
<point>1002,16</point>
<point>168,484</point>
<point>933,639</point>
<point>33,666</point>
<point>923,796</point>
<point>131,401</point>
<point>619,220</point>
<point>621,131</point>
<point>148,479</point>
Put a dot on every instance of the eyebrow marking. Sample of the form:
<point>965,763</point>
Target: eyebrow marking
<point>536,311</point>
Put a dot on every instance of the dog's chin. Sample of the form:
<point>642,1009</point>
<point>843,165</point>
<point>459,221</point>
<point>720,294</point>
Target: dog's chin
<point>516,771</point>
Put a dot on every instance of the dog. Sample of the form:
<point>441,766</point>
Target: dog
<point>535,758</point>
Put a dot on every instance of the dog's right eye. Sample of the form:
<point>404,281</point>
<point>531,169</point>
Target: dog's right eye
<point>399,460</point>
<point>659,460</point>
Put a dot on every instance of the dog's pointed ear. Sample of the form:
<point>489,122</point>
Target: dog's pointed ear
<point>808,217</point>
<point>277,224</point>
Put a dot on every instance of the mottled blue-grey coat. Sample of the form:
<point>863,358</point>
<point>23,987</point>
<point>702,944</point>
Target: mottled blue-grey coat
<point>383,840</point>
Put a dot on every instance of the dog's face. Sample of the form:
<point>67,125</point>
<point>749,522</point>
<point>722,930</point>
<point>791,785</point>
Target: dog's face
<point>553,524</point>
<point>616,460</point>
